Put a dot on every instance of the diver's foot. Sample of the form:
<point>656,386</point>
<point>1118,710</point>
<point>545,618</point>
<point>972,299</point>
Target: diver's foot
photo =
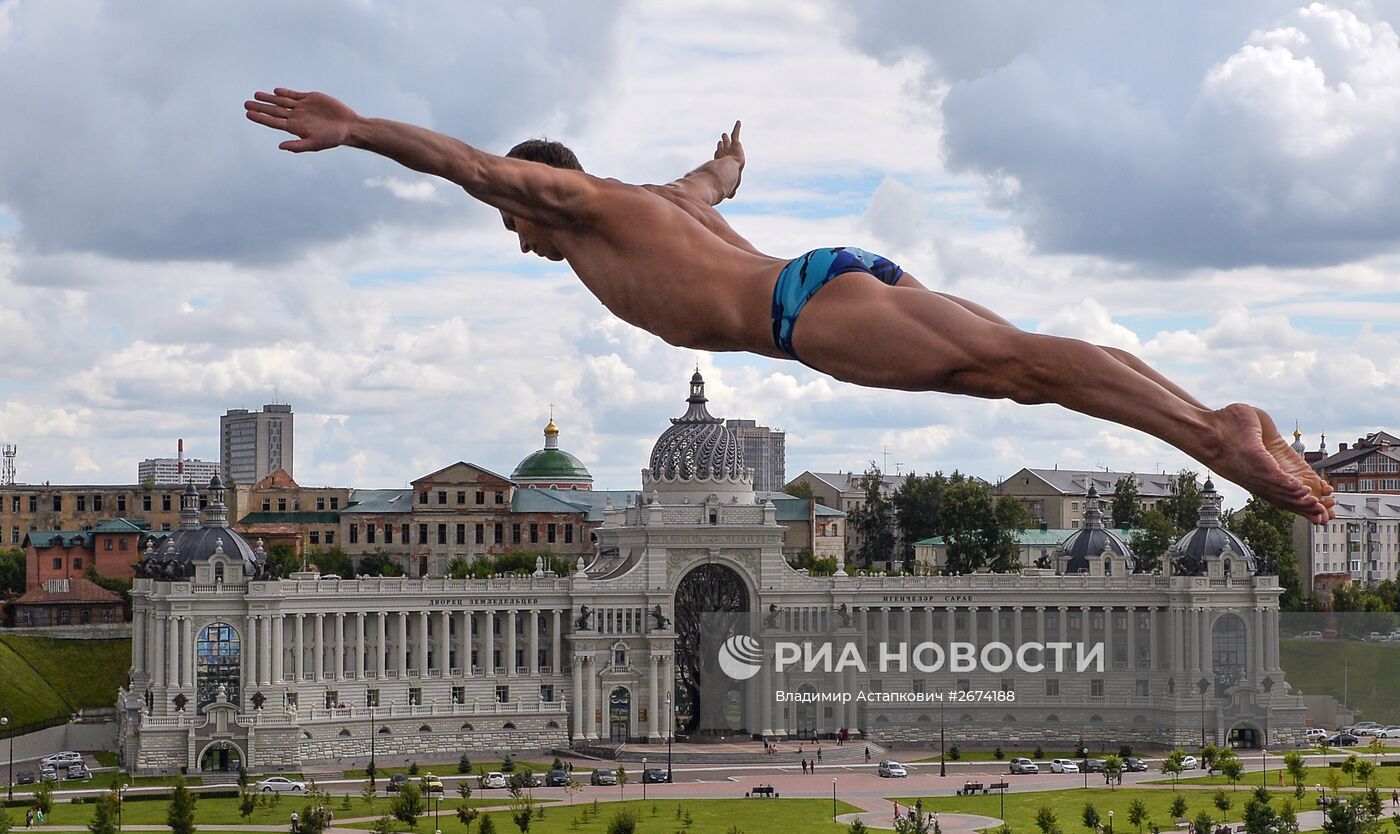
<point>1255,456</point>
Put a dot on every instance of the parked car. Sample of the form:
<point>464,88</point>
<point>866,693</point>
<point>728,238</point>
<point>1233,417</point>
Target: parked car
<point>557,778</point>
<point>494,779</point>
<point>892,770</point>
<point>1133,764</point>
<point>76,771</point>
<point>25,777</point>
<point>430,783</point>
<point>1315,734</point>
<point>525,779</point>
<point>48,774</point>
<point>1190,763</point>
<point>398,780</point>
<point>1024,766</point>
<point>1310,635</point>
<point>280,784</point>
<point>1064,766</point>
<point>1342,740</point>
<point>1092,766</point>
<point>603,777</point>
<point>654,775</point>
<point>1389,732</point>
<point>63,759</point>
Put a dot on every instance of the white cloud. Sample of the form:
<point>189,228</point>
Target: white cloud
<point>417,191</point>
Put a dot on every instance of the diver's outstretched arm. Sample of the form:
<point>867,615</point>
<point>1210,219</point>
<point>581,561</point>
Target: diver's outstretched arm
<point>540,193</point>
<point>718,179</point>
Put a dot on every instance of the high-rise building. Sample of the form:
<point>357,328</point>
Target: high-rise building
<point>763,453</point>
<point>163,471</point>
<point>254,443</point>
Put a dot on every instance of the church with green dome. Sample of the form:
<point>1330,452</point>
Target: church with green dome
<point>552,467</point>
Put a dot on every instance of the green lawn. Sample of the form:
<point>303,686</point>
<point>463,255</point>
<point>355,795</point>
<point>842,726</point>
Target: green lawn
<point>224,810</point>
<point>1372,681</point>
<point>43,679</point>
<point>708,816</point>
<point>1386,777</point>
<point>1068,805</point>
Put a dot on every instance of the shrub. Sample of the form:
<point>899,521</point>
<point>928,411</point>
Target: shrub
<point>464,764</point>
<point>954,753</point>
<point>413,768</point>
<point>1039,752</point>
<point>1178,808</point>
<point>998,754</point>
<point>623,822</point>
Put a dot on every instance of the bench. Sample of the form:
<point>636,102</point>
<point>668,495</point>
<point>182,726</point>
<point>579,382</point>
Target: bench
<point>970,788</point>
<point>761,790</point>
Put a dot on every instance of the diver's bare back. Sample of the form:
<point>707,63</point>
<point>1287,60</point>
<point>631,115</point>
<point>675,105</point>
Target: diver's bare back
<point>655,265</point>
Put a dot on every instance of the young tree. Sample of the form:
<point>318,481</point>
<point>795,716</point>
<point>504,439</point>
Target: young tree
<point>488,825</point>
<point>247,802</point>
<point>1178,807</point>
<point>180,814</point>
<point>623,822</point>
<point>1222,803</point>
<point>104,818</point>
<point>1365,771</point>
<point>1376,747</point>
<point>1113,770</point>
<point>408,804</point>
<point>466,815</point>
<point>383,825</point>
<point>1259,815</point>
<point>1229,766</point>
<point>1090,817</point>
<point>1046,820</point>
<point>369,794</point>
<point>1349,767</point>
<point>621,782</point>
<point>1137,814</point>
<point>43,797</point>
<point>873,521</point>
<point>1174,764</point>
<point>1127,503</point>
<point>1209,753</point>
<point>522,811</point>
<point>1202,824</point>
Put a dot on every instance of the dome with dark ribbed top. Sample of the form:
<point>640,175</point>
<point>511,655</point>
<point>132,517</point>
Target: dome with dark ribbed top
<point>197,540</point>
<point>1192,552</point>
<point>1091,540</point>
<point>697,446</point>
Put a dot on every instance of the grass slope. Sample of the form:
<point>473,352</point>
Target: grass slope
<point>42,678</point>
<point>1371,680</point>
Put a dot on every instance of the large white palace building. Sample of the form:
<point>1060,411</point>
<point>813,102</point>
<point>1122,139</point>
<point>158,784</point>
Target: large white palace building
<point>232,665</point>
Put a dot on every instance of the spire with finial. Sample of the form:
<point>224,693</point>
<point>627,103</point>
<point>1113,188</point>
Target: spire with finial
<point>696,412</point>
<point>1323,446</point>
<point>1093,516</point>
<point>1209,513</point>
<point>1298,439</point>
<point>189,507</point>
<point>551,431</point>
<point>216,514</point>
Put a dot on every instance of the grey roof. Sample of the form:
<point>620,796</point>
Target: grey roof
<point>379,501</point>
<point>546,501</point>
<point>1366,505</point>
<point>1078,481</point>
<point>1337,459</point>
<point>850,481</point>
<point>792,508</point>
<point>596,500</point>
<point>1091,540</point>
<point>697,445</point>
<point>185,547</point>
<point>1208,540</point>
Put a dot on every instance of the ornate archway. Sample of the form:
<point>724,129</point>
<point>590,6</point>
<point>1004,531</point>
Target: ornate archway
<point>712,604</point>
<point>221,756</point>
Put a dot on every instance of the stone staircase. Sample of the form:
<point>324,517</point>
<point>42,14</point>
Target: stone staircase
<point>219,778</point>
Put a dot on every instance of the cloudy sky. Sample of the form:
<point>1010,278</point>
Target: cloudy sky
<point>1209,185</point>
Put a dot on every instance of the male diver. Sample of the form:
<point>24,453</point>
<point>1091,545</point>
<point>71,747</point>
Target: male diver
<point>662,258</point>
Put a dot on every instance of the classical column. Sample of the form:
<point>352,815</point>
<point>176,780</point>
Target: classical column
<point>654,707</point>
<point>444,643</point>
<point>359,645</point>
<point>533,644</point>
<point>173,653</point>
<point>1063,623</point>
<point>1178,640</point>
<point>556,657</point>
<point>299,646</point>
<point>465,640</point>
<point>279,652</point>
<point>884,628</point>
<point>950,623</point>
<point>1086,623</point>
<point>511,616</point>
<point>1132,637</point>
<point>250,656</point>
<point>422,644</point>
<point>187,646</point>
<point>928,624</point>
<point>381,643</point>
<point>908,626</point>
<point>579,705</point>
<point>1017,626</point>
<point>590,688</point>
<point>1271,643</point>
<point>996,623</point>
<point>488,642</point>
<point>319,647</point>
<point>1108,656</point>
<point>972,624</point>
<point>157,665</point>
<point>1207,662</point>
<point>401,649</point>
<point>138,640</point>
<point>766,688</point>
<point>1040,635</point>
<point>1256,659</point>
<point>1193,638</point>
<point>339,665</point>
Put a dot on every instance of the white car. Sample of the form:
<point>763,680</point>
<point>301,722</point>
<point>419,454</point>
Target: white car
<point>892,770</point>
<point>1388,732</point>
<point>1190,763</point>
<point>493,780</point>
<point>62,760</point>
<point>1064,766</point>
<point>280,784</point>
<point>1024,766</point>
<point>1310,635</point>
<point>1315,734</point>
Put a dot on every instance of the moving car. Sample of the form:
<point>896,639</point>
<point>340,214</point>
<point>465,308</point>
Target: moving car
<point>1341,740</point>
<point>603,777</point>
<point>1389,732</point>
<point>557,778</point>
<point>398,780</point>
<point>1024,766</point>
<point>892,770</point>
<point>654,775</point>
<point>1190,763</point>
<point>431,784</point>
<point>1064,766</point>
<point>494,779</point>
<point>280,784</point>
<point>1315,734</point>
<point>1133,764</point>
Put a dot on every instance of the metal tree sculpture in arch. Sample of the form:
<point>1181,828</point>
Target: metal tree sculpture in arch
<point>712,603</point>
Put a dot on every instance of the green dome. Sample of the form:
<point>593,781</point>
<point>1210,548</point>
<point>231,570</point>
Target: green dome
<point>551,463</point>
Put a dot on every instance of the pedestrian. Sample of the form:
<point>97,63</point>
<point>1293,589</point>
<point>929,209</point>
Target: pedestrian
<point>1395,797</point>
<point>896,812</point>
<point>819,752</point>
<point>28,817</point>
<point>867,755</point>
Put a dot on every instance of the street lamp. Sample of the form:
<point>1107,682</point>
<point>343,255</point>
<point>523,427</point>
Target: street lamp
<point>670,736</point>
<point>644,778</point>
<point>942,765</point>
<point>372,731</point>
<point>121,793</point>
<point>10,770</point>
<point>833,799</point>
<point>294,822</point>
<point>1110,822</point>
<point>1264,753</point>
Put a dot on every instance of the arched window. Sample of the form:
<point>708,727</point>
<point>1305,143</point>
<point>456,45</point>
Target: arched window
<point>217,663</point>
<point>553,725</point>
<point>509,725</point>
<point>344,733</point>
<point>468,727</point>
<point>218,572</point>
<point>425,729</point>
<point>1228,652</point>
